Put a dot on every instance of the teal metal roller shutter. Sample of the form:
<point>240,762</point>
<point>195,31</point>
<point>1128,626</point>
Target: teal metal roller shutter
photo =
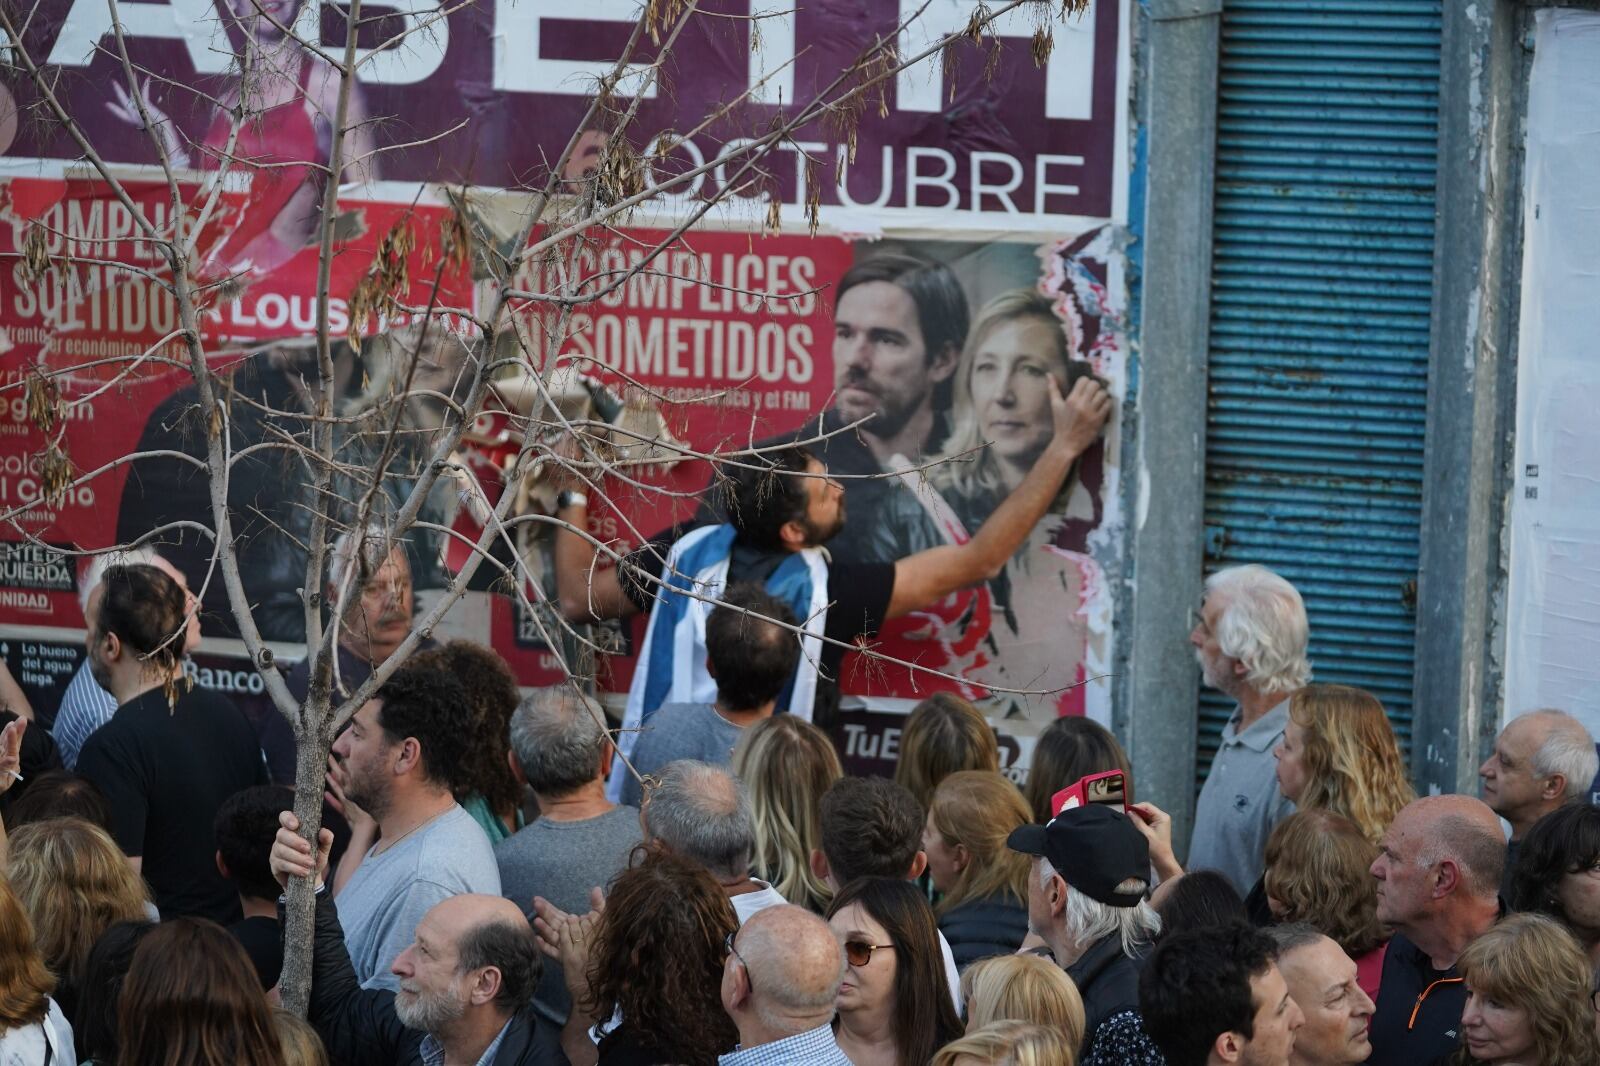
<point>1321,290</point>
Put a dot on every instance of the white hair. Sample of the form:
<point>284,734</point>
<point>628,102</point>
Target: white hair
<point>95,572</point>
<point>1568,750</point>
<point>1263,625</point>
<point>1086,920</point>
<point>371,543</point>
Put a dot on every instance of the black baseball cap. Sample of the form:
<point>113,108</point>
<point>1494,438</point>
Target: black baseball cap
<point>1094,848</point>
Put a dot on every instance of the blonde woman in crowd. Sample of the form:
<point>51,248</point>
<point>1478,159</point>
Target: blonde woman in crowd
<point>1339,753</point>
<point>301,1044</point>
<point>75,883</point>
<point>33,1029</point>
<point>1318,865</point>
<point>787,764</point>
<point>944,734</point>
<point>1529,990</point>
<point>1009,1044</point>
<point>984,885</point>
<point>1022,988</point>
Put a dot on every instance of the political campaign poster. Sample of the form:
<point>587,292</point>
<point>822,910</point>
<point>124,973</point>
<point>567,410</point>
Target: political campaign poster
<point>1003,169</point>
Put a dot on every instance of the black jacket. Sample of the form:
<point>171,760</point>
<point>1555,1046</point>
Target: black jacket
<point>1108,981</point>
<point>1418,1016</point>
<point>360,1028</point>
<point>995,925</point>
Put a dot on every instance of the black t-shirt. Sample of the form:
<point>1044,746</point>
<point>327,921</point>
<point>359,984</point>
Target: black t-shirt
<point>263,942</point>
<point>1410,983</point>
<point>870,497</point>
<point>164,773</point>
<point>858,599</point>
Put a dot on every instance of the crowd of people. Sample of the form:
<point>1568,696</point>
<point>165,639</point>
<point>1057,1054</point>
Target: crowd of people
<point>497,884</point>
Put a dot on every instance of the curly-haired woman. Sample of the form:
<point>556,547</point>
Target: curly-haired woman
<point>1317,872</point>
<point>1339,754</point>
<point>1529,989</point>
<point>648,971</point>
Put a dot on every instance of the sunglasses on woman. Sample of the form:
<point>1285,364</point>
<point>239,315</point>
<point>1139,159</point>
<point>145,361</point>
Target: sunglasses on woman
<point>859,952</point>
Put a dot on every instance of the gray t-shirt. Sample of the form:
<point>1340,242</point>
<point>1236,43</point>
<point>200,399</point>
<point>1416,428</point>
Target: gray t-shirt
<point>562,861</point>
<point>680,731</point>
<point>390,892</point>
<point>1240,802</point>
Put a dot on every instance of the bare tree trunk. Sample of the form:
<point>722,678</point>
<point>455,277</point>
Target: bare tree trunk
<point>311,767</point>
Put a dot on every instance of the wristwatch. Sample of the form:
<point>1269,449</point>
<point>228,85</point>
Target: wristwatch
<point>570,498</point>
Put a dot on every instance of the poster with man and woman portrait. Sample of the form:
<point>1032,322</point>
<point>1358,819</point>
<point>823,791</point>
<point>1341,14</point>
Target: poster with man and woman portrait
<point>1001,173</point>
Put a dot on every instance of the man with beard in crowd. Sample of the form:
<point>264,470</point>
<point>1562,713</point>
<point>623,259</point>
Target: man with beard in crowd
<point>1250,638</point>
<point>465,981</point>
<point>398,764</point>
<point>785,508</point>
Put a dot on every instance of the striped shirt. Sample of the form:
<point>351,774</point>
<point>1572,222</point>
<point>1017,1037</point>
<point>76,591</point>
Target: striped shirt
<point>85,707</point>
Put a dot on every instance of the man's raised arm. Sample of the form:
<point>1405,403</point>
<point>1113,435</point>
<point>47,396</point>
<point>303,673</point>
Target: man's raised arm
<point>587,592</point>
<point>927,577</point>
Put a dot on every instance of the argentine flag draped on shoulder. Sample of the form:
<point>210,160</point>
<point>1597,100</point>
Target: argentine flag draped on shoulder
<point>672,661</point>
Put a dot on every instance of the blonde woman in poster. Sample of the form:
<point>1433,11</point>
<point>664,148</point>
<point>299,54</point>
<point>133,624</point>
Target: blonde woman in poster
<point>1034,632</point>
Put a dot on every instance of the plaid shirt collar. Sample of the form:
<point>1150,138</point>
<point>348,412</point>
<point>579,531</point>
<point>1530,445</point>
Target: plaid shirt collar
<point>815,1047</point>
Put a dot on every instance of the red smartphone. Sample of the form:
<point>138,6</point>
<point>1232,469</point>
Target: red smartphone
<point>1108,788</point>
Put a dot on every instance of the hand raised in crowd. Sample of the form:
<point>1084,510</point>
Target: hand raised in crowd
<point>569,938</point>
<point>11,753</point>
<point>1156,825</point>
<point>362,824</point>
<point>291,853</point>
<point>1081,414</point>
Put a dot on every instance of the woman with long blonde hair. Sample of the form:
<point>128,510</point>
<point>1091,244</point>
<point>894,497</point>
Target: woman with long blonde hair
<point>1022,988</point>
<point>1018,356</point>
<point>1529,988</point>
<point>787,764</point>
<point>33,1030</point>
<point>74,882</point>
<point>1339,753</point>
<point>984,884</point>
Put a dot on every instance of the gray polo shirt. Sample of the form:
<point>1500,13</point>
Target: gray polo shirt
<point>1240,802</point>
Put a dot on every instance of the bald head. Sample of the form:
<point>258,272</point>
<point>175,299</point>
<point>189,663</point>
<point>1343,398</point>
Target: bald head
<point>702,813</point>
<point>485,931</point>
<point>1462,830</point>
<point>795,964</point>
<point>1541,760</point>
<point>471,909</point>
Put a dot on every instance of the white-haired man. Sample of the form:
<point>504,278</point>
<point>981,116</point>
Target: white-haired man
<point>1250,638</point>
<point>1542,760</point>
<point>1091,867</point>
<point>376,619</point>
<point>85,706</point>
